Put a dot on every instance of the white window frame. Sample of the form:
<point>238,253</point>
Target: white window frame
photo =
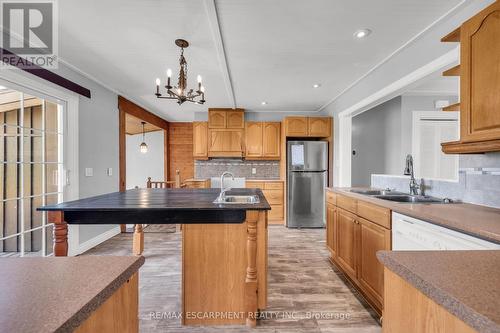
<point>417,117</point>
<point>21,81</point>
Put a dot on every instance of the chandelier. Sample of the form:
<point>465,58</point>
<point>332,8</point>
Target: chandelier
<point>181,93</point>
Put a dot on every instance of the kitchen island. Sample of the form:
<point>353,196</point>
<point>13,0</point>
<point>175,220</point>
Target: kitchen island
<point>224,259</point>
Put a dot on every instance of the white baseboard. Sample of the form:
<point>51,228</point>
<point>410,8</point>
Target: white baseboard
<point>98,240</point>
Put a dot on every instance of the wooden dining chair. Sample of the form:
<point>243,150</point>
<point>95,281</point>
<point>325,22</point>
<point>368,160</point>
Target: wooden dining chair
<point>138,238</point>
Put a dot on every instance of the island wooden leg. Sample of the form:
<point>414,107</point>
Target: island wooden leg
<point>251,277</point>
<point>60,233</point>
<point>138,241</point>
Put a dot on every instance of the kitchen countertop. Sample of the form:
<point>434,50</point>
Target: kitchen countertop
<point>158,206</point>
<point>466,283</point>
<point>58,294</point>
<point>264,180</point>
<point>475,220</point>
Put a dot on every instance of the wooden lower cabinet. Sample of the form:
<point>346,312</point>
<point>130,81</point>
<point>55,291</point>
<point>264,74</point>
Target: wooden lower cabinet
<point>119,313</point>
<point>409,310</point>
<point>372,238</point>
<point>274,193</point>
<point>353,242</point>
<point>346,242</point>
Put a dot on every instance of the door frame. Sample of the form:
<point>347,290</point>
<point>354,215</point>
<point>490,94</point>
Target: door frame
<point>392,90</point>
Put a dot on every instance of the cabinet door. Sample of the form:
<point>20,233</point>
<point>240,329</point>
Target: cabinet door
<point>319,127</point>
<point>200,139</point>
<point>216,119</point>
<point>235,119</point>
<point>296,126</point>
<point>346,241</point>
<point>330,228</point>
<point>272,140</point>
<point>215,141</point>
<point>372,238</point>
<point>480,82</point>
<point>253,142</point>
<point>234,143</point>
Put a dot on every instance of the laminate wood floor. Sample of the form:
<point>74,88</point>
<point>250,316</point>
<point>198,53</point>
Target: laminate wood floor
<point>306,294</point>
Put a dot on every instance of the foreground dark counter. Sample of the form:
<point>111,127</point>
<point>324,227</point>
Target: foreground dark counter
<point>465,283</point>
<point>59,294</point>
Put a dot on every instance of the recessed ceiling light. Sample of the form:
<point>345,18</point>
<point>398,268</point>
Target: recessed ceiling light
<point>316,85</point>
<point>3,88</point>
<point>264,103</point>
<point>362,33</point>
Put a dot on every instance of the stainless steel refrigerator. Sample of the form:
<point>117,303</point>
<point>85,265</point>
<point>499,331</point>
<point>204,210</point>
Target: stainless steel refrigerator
<point>307,167</point>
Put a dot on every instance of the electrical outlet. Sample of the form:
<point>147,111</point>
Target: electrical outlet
<point>254,171</point>
<point>89,172</point>
<point>109,171</point>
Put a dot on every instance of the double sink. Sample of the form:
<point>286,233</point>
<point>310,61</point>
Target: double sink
<point>399,196</point>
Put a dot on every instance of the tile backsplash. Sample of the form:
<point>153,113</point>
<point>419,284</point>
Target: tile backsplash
<point>240,168</point>
<point>478,183</point>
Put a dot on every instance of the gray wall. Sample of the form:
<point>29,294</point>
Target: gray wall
<point>98,143</point>
<point>141,166</point>
<point>376,139</point>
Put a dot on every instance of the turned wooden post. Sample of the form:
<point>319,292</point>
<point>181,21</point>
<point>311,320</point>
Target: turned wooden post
<point>251,277</point>
<point>138,241</point>
<point>60,233</point>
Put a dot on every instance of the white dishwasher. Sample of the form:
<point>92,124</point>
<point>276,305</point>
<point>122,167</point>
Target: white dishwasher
<point>411,234</point>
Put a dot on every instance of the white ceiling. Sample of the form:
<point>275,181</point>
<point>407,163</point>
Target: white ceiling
<point>272,51</point>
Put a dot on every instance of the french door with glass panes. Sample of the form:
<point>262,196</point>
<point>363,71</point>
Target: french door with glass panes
<point>31,171</point>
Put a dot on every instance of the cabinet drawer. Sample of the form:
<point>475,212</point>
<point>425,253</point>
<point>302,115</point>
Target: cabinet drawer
<point>273,185</point>
<point>347,203</point>
<point>250,184</point>
<point>331,198</point>
<point>276,213</point>
<point>274,197</point>
<point>374,213</point>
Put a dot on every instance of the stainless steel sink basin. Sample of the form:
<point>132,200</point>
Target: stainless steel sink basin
<point>238,199</point>
<point>410,198</point>
<point>377,192</point>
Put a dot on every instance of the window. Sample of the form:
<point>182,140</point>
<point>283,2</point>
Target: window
<point>31,171</point>
<point>430,129</point>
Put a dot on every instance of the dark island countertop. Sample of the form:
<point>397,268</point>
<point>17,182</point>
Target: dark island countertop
<point>465,283</point>
<point>58,294</point>
<point>158,206</point>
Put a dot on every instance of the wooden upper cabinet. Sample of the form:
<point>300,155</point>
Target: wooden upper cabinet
<point>372,238</point>
<point>296,126</point>
<point>271,140</point>
<point>319,127</point>
<point>263,140</point>
<point>254,139</point>
<point>225,143</point>
<point>235,119</point>
<point>217,119</point>
<point>200,140</point>
<point>480,84</point>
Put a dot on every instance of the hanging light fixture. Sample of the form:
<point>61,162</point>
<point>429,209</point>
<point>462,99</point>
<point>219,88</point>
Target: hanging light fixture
<point>143,147</point>
<point>181,93</point>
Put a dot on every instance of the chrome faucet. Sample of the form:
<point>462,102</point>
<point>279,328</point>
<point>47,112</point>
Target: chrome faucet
<point>414,186</point>
<point>222,194</point>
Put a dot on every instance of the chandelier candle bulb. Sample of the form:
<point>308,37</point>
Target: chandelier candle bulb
<point>169,75</point>
<point>158,87</point>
